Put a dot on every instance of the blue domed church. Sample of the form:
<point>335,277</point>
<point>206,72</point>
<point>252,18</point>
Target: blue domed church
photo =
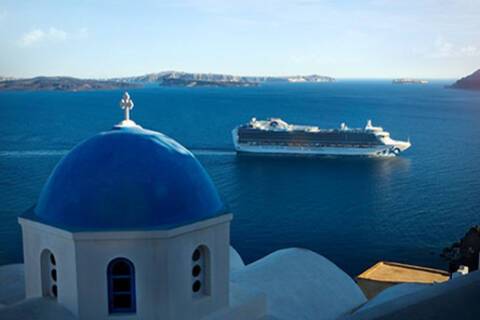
<point>130,226</point>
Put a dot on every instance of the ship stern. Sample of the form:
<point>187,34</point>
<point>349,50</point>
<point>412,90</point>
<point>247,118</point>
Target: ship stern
<point>235,139</point>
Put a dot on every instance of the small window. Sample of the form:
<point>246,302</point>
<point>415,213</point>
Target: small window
<point>121,286</point>
<point>52,260</point>
<point>200,271</point>
<point>49,274</point>
<point>54,290</point>
<point>53,274</point>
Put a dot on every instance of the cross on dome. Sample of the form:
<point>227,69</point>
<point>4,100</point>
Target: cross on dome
<point>126,104</point>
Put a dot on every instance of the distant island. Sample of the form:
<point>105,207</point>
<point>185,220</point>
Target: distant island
<point>205,83</point>
<point>166,78</point>
<point>6,78</point>
<point>62,84</point>
<point>185,79</point>
<point>471,82</point>
<point>409,81</point>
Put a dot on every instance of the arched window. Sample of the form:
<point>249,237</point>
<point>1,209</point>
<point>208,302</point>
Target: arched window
<point>201,271</point>
<point>48,265</point>
<point>121,286</point>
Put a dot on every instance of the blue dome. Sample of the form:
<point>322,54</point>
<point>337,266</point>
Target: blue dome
<point>127,178</point>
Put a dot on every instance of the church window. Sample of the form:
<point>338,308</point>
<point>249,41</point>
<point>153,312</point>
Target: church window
<point>48,265</point>
<point>121,286</point>
<point>200,271</point>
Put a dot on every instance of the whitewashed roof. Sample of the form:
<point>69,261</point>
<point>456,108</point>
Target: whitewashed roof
<point>300,284</point>
<point>12,284</point>
<point>236,262</point>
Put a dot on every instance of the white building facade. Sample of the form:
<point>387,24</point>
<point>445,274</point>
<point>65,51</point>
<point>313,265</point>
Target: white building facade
<point>182,273</point>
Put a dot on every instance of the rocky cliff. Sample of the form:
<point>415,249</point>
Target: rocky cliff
<point>166,78</point>
<point>471,82</point>
<point>183,78</point>
<point>62,84</point>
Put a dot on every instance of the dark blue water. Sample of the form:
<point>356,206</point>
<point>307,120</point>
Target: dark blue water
<point>353,211</point>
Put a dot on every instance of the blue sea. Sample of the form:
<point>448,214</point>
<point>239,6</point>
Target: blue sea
<point>354,211</point>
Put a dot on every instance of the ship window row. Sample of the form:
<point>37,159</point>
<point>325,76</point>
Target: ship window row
<point>303,138</point>
<point>308,141</point>
<point>309,144</point>
<point>308,135</point>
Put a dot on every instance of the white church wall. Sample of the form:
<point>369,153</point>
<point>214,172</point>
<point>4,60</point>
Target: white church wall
<point>163,270</point>
<point>37,238</point>
<point>184,302</point>
<point>148,257</point>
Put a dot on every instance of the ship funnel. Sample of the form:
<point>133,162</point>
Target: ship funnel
<point>369,124</point>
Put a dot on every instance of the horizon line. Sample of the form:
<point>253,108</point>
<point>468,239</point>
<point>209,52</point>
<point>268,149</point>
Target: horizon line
<point>232,74</point>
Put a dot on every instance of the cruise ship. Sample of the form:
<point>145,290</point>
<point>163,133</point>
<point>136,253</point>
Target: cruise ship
<point>275,136</point>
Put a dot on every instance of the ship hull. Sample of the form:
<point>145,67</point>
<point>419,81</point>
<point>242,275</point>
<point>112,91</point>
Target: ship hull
<point>380,151</point>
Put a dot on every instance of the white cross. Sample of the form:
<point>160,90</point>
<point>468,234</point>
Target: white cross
<point>126,104</point>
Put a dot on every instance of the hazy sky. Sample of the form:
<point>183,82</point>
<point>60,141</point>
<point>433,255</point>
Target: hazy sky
<point>344,39</point>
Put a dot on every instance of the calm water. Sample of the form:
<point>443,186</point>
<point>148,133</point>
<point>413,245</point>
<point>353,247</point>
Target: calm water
<point>353,211</point>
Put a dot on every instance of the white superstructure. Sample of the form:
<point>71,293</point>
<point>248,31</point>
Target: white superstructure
<point>275,136</point>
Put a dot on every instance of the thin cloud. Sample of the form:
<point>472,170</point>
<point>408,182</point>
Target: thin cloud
<point>443,48</point>
<point>470,51</point>
<point>32,37</point>
<point>39,35</point>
